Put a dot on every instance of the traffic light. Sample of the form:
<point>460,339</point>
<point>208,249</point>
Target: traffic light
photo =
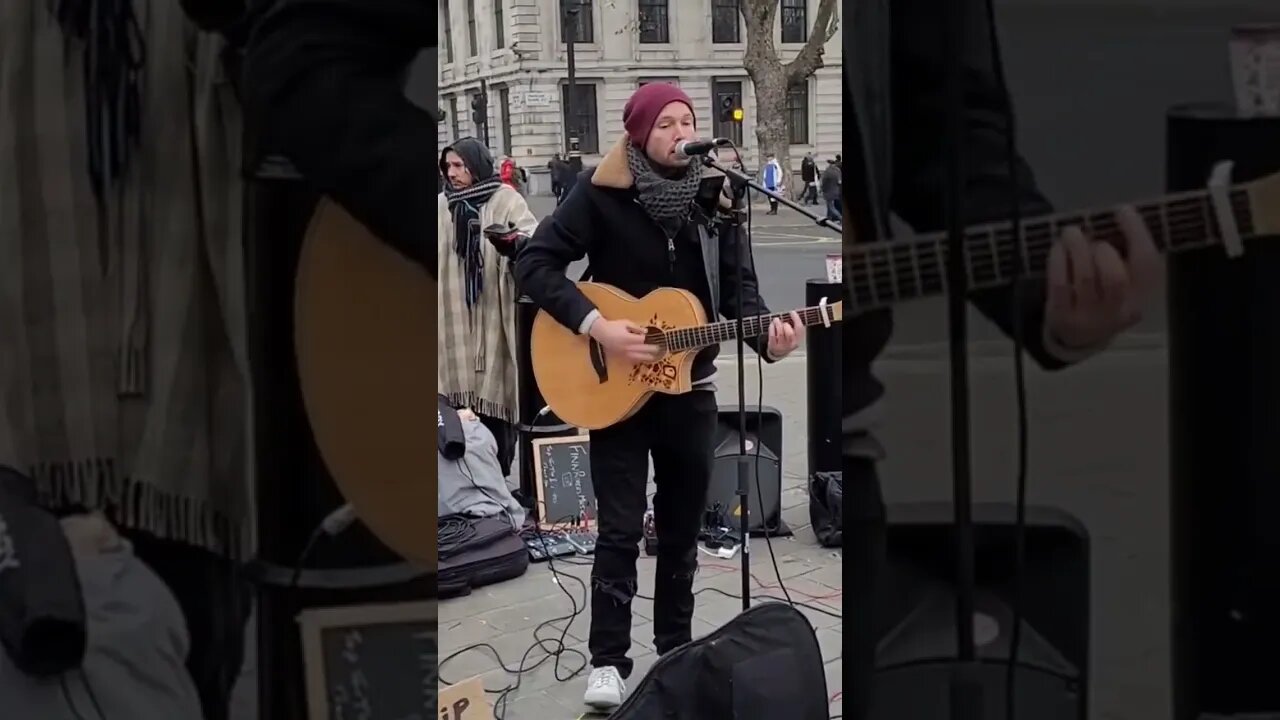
<point>479,110</point>
<point>730,109</point>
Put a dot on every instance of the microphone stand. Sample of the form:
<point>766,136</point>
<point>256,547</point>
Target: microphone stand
<point>729,225</point>
<point>740,182</point>
<point>966,691</point>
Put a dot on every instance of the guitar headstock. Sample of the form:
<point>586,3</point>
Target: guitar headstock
<point>1264,202</point>
<point>837,311</point>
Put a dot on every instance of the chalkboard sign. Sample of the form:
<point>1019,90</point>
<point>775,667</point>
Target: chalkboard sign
<point>371,662</point>
<point>562,469</point>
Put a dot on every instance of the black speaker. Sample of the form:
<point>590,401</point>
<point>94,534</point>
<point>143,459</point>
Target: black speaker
<point>822,360</point>
<point>1224,418</point>
<point>917,647</point>
<point>764,434</point>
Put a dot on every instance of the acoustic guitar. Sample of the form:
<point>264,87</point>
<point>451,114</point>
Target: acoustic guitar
<point>588,388</point>
<point>585,387</point>
<point>365,339</point>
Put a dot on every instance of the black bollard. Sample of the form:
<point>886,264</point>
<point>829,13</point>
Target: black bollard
<point>294,491</point>
<point>823,378</point>
<point>532,424</point>
<point>1224,423</point>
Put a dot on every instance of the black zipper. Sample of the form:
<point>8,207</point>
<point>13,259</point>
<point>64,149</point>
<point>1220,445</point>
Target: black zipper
<point>671,243</point>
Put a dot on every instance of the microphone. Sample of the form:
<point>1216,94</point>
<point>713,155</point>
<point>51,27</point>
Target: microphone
<point>688,149</point>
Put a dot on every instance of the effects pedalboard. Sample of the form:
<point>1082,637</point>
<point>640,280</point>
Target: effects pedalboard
<point>574,540</point>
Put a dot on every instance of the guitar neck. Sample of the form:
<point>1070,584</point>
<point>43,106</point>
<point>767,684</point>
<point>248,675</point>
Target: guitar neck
<point>717,332</point>
<point>886,273</point>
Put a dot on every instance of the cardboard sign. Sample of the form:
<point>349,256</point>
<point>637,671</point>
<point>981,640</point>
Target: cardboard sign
<point>464,701</point>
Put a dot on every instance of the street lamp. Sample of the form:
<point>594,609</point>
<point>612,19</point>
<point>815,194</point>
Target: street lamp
<point>570,26</point>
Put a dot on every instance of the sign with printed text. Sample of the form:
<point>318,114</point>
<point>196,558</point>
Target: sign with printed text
<point>536,99</point>
<point>835,269</point>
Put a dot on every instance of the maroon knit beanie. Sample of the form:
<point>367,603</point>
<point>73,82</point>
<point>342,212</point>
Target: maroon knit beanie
<point>641,112</point>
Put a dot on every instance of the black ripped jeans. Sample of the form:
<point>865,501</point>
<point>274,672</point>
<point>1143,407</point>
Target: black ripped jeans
<point>678,431</point>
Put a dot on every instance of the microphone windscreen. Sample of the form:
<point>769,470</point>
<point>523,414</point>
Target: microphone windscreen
<point>453,440</point>
<point>42,615</point>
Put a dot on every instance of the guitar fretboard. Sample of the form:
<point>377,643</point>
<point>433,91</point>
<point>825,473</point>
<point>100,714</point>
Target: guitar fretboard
<point>725,330</point>
<point>886,273</point>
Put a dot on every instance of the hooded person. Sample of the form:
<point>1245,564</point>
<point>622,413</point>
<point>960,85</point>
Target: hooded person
<point>632,216</point>
<point>476,291</point>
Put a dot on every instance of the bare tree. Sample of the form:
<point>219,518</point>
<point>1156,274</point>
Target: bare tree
<point>771,77</point>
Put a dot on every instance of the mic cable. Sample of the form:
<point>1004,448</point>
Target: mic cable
<point>1019,375</point>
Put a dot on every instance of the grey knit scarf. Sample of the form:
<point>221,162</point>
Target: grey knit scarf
<point>666,199</point>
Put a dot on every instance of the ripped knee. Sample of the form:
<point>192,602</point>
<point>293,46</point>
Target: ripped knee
<point>620,591</point>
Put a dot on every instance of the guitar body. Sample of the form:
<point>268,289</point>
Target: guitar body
<point>589,388</point>
<point>365,338</point>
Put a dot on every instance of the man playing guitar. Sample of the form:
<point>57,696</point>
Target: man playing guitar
<point>1093,290</point>
<point>631,217</point>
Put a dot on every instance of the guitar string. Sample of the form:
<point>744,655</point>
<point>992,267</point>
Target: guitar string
<point>1036,238</point>
<point>931,267</point>
<point>1174,220</point>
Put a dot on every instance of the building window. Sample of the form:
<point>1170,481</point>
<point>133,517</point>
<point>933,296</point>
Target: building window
<point>446,25</point>
<point>471,28</point>
<point>477,120</point>
<point>504,108</point>
<point>726,94</point>
<point>582,124</point>
<point>499,31</point>
<point>654,27</point>
<point>456,116</point>
<point>724,21</point>
<point>798,113</point>
<point>795,21</point>
<point>646,80</point>
<point>576,25</point>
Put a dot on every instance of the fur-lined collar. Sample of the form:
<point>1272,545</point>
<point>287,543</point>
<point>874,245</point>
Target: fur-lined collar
<point>613,171</point>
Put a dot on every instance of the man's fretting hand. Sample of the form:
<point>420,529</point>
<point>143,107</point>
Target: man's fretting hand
<point>1094,293</point>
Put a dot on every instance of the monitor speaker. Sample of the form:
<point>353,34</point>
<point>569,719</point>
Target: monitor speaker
<point>917,649</point>
<point>764,464</point>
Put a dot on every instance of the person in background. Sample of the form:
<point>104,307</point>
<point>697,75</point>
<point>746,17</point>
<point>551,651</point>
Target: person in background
<point>555,169</point>
<point>809,176</point>
<point>831,189</point>
<point>124,367</point>
<point>476,292</point>
<point>771,179</point>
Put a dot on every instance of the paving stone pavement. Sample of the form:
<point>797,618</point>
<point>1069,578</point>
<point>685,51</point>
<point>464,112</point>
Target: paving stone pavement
<point>505,615</point>
<point>1098,450</point>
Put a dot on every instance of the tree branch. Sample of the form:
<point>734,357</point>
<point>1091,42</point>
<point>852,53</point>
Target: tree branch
<point>825,26</point>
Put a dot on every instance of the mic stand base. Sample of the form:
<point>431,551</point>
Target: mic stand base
<point>966,691</point>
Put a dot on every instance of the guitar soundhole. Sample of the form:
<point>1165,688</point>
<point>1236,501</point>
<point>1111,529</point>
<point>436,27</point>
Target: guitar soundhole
<point>655,336</point>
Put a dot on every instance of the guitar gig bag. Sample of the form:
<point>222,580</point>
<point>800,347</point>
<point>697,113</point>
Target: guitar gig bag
<point>762,665</point>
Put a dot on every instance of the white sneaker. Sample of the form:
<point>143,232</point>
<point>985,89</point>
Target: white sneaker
<point>604,688</point>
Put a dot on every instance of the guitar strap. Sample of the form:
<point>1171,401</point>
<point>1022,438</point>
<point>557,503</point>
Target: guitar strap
<point>586,274</point>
